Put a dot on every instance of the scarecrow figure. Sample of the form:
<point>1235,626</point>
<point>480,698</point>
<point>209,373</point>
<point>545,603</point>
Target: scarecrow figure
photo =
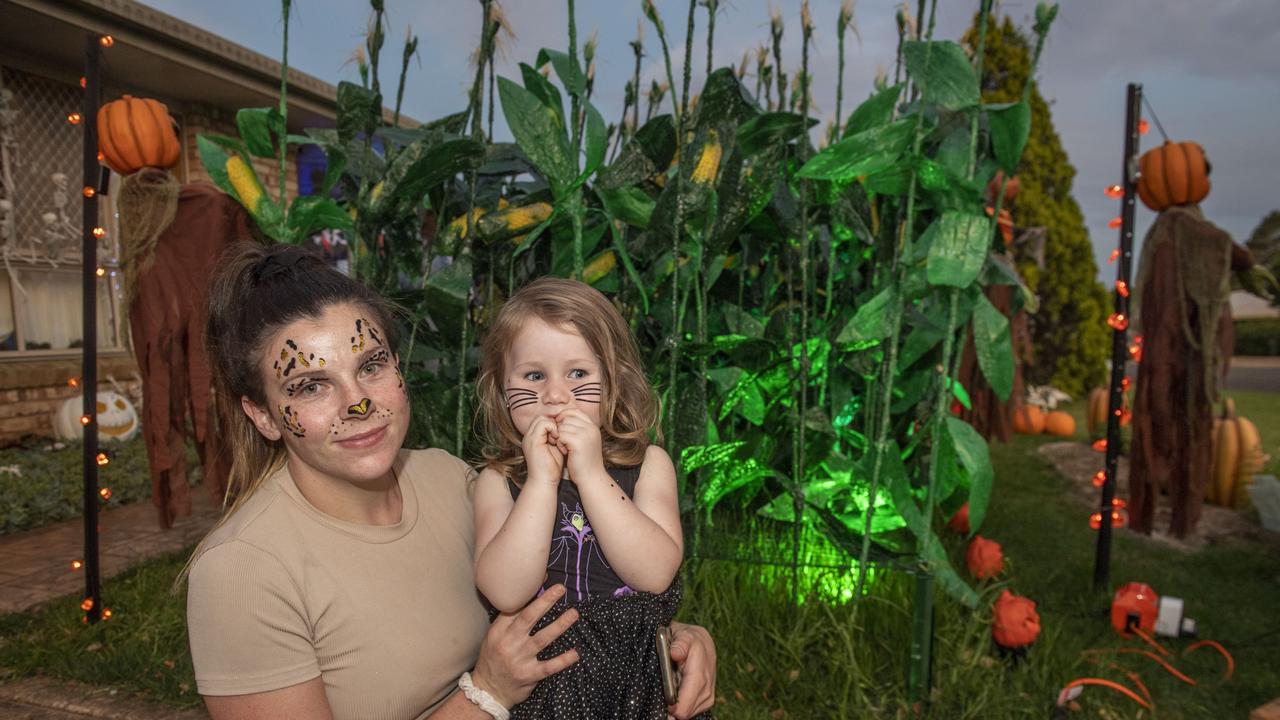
<point>1183,284</point>
<point>172,239</point>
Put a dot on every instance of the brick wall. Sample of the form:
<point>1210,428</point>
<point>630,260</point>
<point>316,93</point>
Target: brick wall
<point>31,392</point>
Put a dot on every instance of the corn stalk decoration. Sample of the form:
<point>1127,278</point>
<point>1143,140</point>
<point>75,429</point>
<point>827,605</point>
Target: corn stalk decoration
<point>800,310</point>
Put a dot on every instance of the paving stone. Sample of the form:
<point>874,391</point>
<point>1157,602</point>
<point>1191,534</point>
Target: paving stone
<point>49,699</point>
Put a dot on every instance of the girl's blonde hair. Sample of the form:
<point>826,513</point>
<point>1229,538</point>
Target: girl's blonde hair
<point>628,409</point>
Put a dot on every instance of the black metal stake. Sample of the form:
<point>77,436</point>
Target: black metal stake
<point>1119,337</point>
<point>89,372</point>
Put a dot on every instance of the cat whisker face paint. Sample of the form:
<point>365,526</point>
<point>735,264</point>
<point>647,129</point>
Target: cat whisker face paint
<point>520,397</point>
<point>587,392</point>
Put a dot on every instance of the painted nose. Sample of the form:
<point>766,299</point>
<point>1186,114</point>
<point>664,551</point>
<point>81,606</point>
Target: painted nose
<point>360,409</point>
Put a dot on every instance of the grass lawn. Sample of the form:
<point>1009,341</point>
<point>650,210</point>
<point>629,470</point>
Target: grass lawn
<point>820,659</point>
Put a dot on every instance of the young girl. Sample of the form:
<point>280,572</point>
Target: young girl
<point>573,493</point>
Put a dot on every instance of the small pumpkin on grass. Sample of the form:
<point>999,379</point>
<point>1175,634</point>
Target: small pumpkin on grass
<point>1237,455</point>
<point>1028,420</point>
<point>134,133</point>
<point>1060,423</point>
<point>984,558</point>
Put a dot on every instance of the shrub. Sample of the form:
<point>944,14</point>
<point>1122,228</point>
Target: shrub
<point>1258,336</point>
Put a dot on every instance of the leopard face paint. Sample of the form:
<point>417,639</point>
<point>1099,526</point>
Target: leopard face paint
<point>289,417</point>
<point>295,357</point>
<point>363,327</point>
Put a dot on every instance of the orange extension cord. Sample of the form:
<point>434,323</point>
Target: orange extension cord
<point>1143,699</point>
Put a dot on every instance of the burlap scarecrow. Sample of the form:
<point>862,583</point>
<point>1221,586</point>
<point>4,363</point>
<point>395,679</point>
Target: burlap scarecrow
<point>1184,321</point>
<point>172,238</point>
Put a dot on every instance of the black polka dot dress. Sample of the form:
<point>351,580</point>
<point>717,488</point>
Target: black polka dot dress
<point>618,676</point>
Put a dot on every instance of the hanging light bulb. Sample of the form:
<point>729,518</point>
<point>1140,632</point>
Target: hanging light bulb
<point>73,118</point>
<point>1143,127</point>
<point>1118,321</point>
<point>1095,520</point>
<point>76,564</point>
<point>1100,445</point>
<point>106,41</point>
<point>99,232</point>
<point>1100,478</point>
<point>1122,288</point>
<point>73,382</point>
<point>1119,504</point>
<point>1114,191</point>
<point>84,82</point>
<point>85,419</point>
<point>101,157</point>
<point>1115,222</point>
<point>1118,520</point>
<point>1124,384</point>
<point>86,604</point>
<point>103,460</point>
<point>88,191</point>
<point>104,493</point>
<point>1114,254</point>
<point>1135,352</point>
<point>106,613</point>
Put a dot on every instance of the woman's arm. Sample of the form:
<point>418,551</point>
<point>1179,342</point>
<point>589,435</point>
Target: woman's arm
<point>303,700</point>
<point>513,539</point>
<point>641,537</point>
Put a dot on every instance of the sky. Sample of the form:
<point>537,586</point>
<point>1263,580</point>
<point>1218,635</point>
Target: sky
<point>1210,70</point>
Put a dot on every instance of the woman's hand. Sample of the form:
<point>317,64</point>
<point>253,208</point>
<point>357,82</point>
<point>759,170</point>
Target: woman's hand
<point>508,666</point>
<point>694,653</point>
<point>542,454</point>
<point>581,437</point>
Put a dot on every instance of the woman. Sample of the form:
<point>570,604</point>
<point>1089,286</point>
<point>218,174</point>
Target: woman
<point>339,583</point>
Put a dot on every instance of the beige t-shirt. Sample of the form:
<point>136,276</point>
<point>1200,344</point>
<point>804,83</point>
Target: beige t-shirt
<point>388,616</point>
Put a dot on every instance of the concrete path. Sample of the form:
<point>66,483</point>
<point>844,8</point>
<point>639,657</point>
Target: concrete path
<point>1261,374</point>
<point>35,566</point>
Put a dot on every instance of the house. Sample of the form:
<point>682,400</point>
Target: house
<point>202,78</point>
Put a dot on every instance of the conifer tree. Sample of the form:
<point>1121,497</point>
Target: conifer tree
<point>1069,333</point>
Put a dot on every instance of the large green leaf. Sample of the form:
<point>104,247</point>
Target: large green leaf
<point>872,321</point>
<point>628,204</point>
<point>309,214</point>
<point>971,449</point>
<point>539,134</point>
<point>544,90</point>
<point>646,154</point>
<point>957,248</point>
<point>567,69</point>
<point>359,111</point>
<point>874,111</point>
<point>723,99</point>
<point>768,130</point>
<point>597,140</point>
<point>1010,127</point>
<point>424,165</point>
<point>943,72</point>
<point>256,126</point>
<point>994,347</point>
<point>720,480</point>
<point>448,292</point>
<point>862,154</point>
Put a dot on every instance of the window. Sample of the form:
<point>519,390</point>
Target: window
<point>40,225</point>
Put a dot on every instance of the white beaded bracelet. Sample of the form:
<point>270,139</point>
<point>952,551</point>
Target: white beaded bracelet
<point>482,699</point>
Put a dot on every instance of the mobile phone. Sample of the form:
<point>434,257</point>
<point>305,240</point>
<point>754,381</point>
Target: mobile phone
<point>670,679</point>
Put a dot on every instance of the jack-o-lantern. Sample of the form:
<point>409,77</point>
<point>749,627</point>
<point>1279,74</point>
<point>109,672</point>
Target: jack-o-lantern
<point>1015,622</point>
<point>117,418</point>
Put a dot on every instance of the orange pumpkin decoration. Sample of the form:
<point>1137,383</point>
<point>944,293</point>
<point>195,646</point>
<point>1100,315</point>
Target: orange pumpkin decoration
<point>984,558</point>
<point>1028,420</point>
<point>959,522</point>
<point>1060,423</point>
<point>1173,174</point>
<point>1015,622</point>
<point>134,133</point>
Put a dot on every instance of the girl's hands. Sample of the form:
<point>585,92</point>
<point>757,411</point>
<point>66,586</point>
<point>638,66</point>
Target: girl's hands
<point>542,451</point>
<point>581,438</point>
<point>508,667</point>
<point>694,652</point>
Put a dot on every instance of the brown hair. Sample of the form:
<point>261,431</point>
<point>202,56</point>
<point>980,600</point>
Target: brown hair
<point>628,410</point>
<point>257,290</point>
